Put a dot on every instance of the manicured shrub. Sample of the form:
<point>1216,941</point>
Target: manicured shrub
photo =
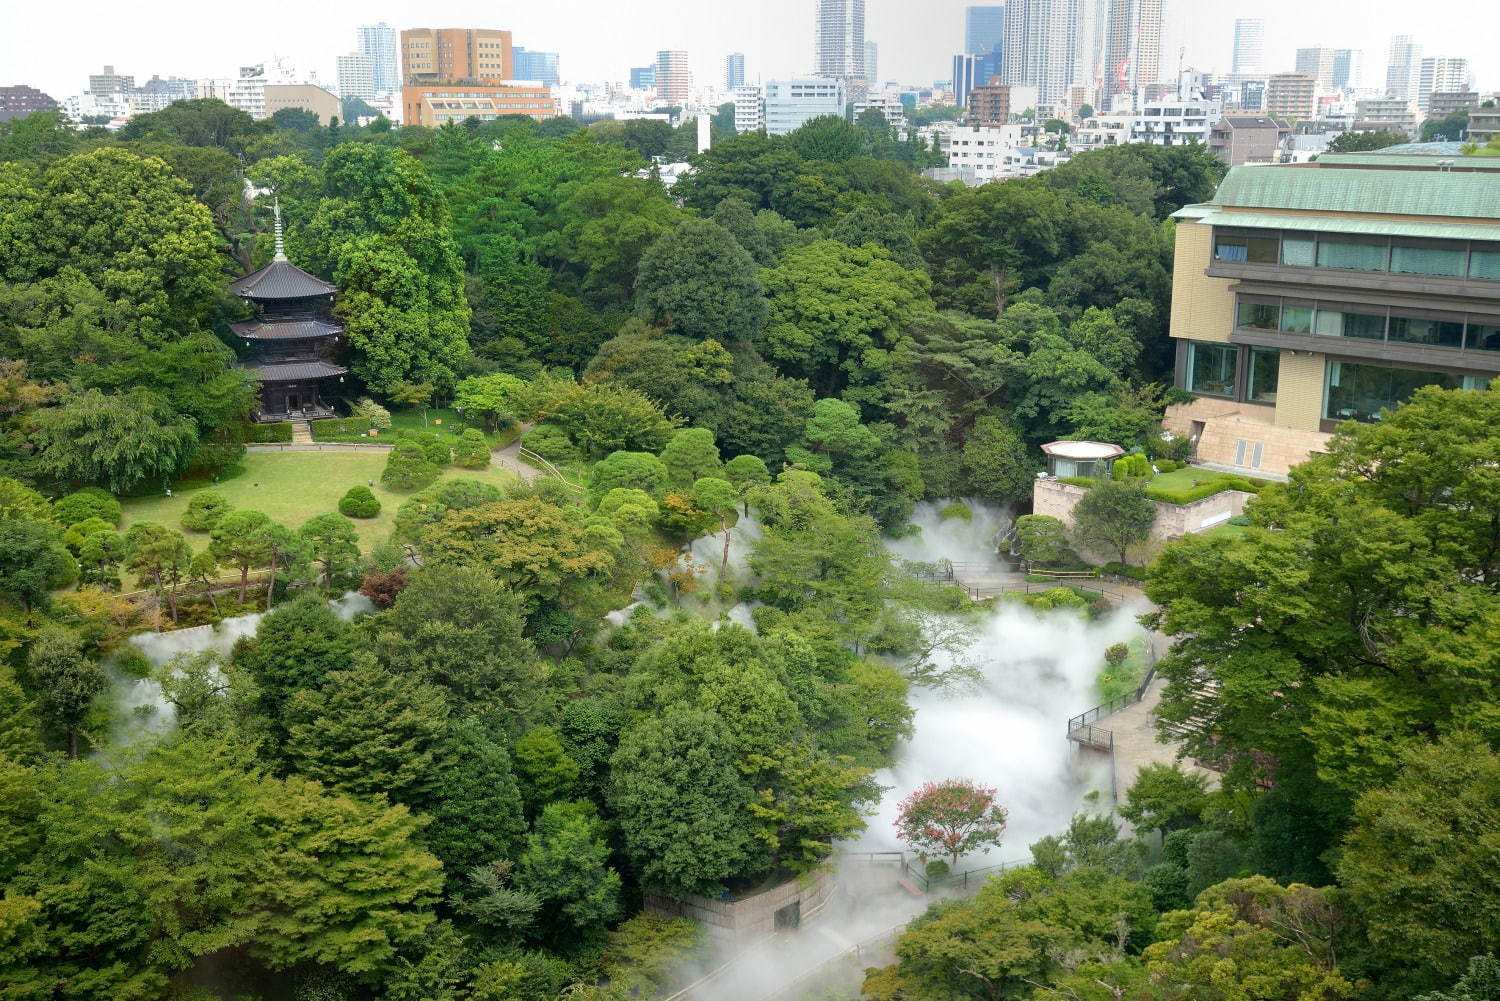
<point>956,510</point>
<point>340,427</point>
<point>438,453</point>
<point>269,434</point>
<point>359,502</point>
<point>937,868</point>
<point>204,511</point>
<point>378,416</point>
<point>1125,570</point>
<point>473,452</point>
<point>1202,489</point>
<point>408,468</point>
<point>90,502</point>
<point>1132,467</point>
<point>552,443</point>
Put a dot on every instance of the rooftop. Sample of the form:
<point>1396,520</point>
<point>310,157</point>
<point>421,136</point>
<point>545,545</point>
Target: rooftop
<point>1083,450</point>
<point>286,330</point>
<point>280,279</point>
<point>297,371</point>
<point>1334,184</point>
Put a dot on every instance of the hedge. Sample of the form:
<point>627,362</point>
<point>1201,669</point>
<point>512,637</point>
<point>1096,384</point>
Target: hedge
<point>269,434</point>
<point>322,430</point>
<point>1202,490</point>
<point>1125,570</point>
<point>1079,481</point>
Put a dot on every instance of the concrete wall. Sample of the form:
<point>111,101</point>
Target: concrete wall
<point>1226,423</point>
<point>750,917</point>
<point>1173,521</point>
<point>1299,390</point>
<point>1202,307</point>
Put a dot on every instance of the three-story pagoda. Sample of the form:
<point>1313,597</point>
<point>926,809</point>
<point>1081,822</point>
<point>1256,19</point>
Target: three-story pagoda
<point>293,338</point>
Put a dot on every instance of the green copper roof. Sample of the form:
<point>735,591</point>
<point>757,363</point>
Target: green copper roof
<point>1331,188</point>
<point>1346,224</point>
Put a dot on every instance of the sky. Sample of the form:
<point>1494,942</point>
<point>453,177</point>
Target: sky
<point>600,39</point>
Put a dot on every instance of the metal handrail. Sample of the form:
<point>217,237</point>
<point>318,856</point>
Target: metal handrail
<point>547,467</point>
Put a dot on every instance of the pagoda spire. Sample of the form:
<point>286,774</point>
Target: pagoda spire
<point>280,244</point>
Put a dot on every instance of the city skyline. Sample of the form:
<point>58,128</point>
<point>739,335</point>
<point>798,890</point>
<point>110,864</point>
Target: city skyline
<point>778,42</point>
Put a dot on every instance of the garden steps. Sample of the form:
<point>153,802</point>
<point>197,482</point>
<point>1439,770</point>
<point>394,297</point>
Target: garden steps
<point>302,433</point>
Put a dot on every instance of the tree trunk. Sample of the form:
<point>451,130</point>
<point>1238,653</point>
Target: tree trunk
<point>271,583</point>
<point>244,580</point>
<point>72,743</point>
<point>1000,276</point>
<point>724,565</point>
<point>172,602</point>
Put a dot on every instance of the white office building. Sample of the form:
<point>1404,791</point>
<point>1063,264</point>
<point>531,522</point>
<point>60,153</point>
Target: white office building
<point>888,103</point>
<point>1440,75</point>
<point>378,42</point>
<point>246,91</point>
<point>1098,133</point>
<point>1174,122</point>
<point>749,108</point>
<point>791,103</point>
<point>1403,68</point>
<point>986,152</point>
<point>1249,47</point>
<point>356,77</point>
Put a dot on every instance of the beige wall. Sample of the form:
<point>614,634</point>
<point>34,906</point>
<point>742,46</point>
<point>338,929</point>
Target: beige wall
<point>1299,390</point>
<point>1173,521</point>
<point>1202,307</point>
<point>752,917</point>
<point>302,95</point>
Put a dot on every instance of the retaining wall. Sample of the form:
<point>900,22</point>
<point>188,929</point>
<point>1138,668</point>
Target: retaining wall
<point>1055,498</point>
<point>750,917</point>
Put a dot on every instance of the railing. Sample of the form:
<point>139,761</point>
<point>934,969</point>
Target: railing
<point>1081,728</point>
<point>527,455</point>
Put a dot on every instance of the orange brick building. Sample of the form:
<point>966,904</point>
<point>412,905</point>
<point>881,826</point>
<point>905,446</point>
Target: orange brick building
<point>434,104</point>
<point>435,55</point>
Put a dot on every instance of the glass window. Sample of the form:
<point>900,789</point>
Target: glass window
<point>1297,251</point>
<point>1427,260</point>
<point>1346,323</point>
<point>1484,264</point>
<point>1264,365</point>
<point>1419,330</point>
<point>1260,315</point>
<point>1211,368</point>
<point>1484,336</point>
<point>1359,392</point>
<point>1296,319</point>
<point>1351,255</point>
<point>1239,249</point>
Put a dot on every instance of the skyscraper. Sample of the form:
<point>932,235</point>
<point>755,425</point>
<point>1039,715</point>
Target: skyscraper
<point>533,65</point>
<point>872,63</point>
<point>984,29</point>
<point>839,39</point>
<point>442,55</point>
<point>1042,47</point>
<point>643,77</point>
<point>674,82</point>
<point>1403,67</point>
<point>1132,46</point>
<point>1249,46</point>
<point>1347,67</point>
<point>378,42</point>
<point>1319,62</point>
<point>356,79</point>
<point>734,70</point>
<point>1442,75</point>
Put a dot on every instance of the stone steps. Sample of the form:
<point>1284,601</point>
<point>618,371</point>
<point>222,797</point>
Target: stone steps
<point>302,433</point>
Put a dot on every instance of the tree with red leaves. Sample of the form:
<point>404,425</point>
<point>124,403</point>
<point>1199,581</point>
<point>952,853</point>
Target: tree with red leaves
<point>951,817</point>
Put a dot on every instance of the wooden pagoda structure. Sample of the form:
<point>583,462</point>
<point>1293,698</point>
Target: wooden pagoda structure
<point>293,338</point>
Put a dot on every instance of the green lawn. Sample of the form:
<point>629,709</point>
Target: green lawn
<point>1185,478</point>
<point>1227,529</point>
<point>292,487</point>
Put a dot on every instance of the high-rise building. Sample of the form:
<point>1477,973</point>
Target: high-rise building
<point>965,77</point>
<point>839,40</point>
<point>984,29</point>
<point>378,42</point>
<point>1292,96</point>
<point>990,105</point>
<point>1403,67</point>
<point>1319,62</point>
<point>451,55</point>
<point>1439,73</point>
<point>749,108</point>
<point>21,100</point>
<point>872,63</point>
<point>674,82</point>
<point>1132,47</point>
<point>533,65</point>
<point>1042,46</point>
<point>156,94</point>
<point>109,82</point>
<point>643,77</point>
<point>734,70</point>
<point>1249,46</point>
<point>792,103</point>
<point>356,77</point>
<point>1347,69</point>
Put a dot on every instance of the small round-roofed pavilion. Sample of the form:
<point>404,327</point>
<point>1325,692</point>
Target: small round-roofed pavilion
<point>1081,458</point>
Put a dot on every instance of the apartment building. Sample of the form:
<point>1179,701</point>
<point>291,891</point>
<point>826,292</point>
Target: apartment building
<point>791,103</point>
<point>1240,139</point>
<point>749,108</point>
<point>1484,125</point>
<point>1174,123</point>
<point>1311,294</point>
<point>1292,96</point>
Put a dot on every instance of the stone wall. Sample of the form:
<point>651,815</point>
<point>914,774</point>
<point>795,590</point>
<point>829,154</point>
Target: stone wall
<point>1052,497</point>
<point>1226,424</point>
<point>750,917</point>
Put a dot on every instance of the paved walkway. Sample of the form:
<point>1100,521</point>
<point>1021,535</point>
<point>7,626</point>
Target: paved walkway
<point>1136,745</point>
<point>509,457</point>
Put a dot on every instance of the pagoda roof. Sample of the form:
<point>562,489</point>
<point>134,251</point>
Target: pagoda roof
<point>285,330</point>
<point>295,371</point>
<point>281,279</point>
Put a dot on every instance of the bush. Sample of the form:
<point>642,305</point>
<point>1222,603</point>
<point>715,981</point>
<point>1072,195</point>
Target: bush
<point>90,502</point>
<point>215,455</point>
<point>1079,481</point>
<point>552,443</point>
<point>383,588</point>
<point>204,511</point>
<point>378,416</point>
<point>269,434</point>
<point>359,502</point>
<point>340,427</point>
<point>438,453</point>
<point>408,468</point>
<point>1204,488</point>
<point>1125,570</point>
<point>956,510</point>
<point>1132,467</point>
<point>1177,448</point>
<point>1240,519</point>
<point>1167,465</point>
<point>473,452</point>
<point>937,869</point>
